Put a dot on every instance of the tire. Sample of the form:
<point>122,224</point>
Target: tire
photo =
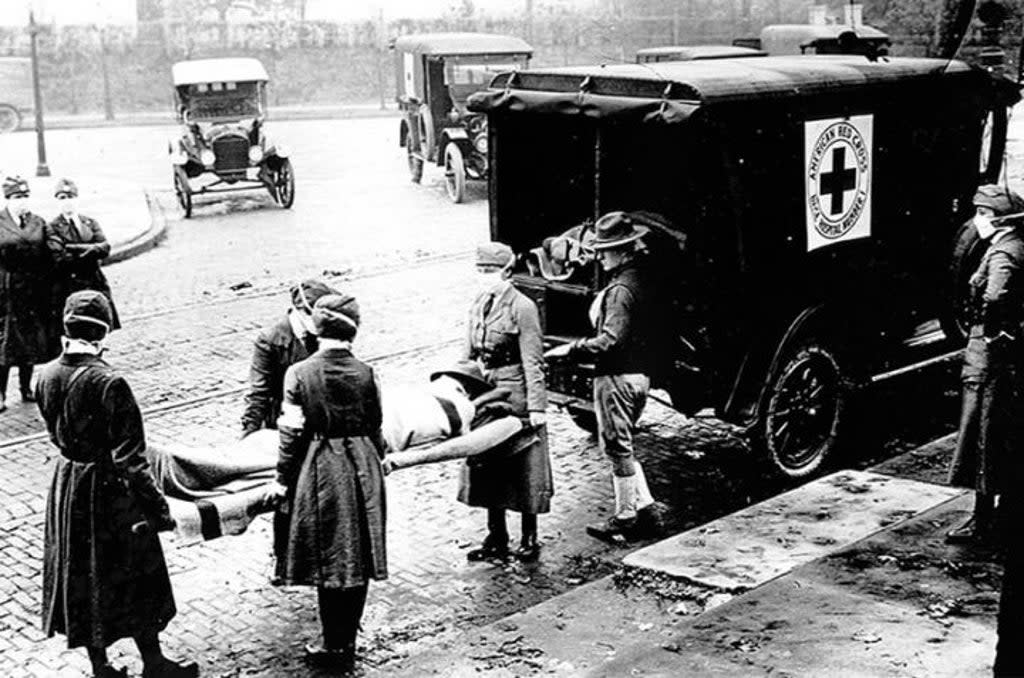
<point>10,119</point>
<point>425,123</point>
<point>808,399</point>
<point>284,182</point>
<point>968,249</point>
<point>415,164</point>
<point>454,173</point>
<point>183,191</point>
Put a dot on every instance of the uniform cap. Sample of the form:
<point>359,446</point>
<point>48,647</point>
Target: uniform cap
<point>468,373</point>
<point>336,316</point>
<point>999,199</point>
<point>616,229</point>
<point>494,254</point>
<point>15,187</point>
<point>65,187</point>
<point>87,309</point>
<point>306,293</point>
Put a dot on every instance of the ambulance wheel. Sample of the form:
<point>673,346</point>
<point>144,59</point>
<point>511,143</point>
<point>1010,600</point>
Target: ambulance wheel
<point>10,118</point>
<point>968,249</point>
<point>805,412</point>
<point>183,192</point>
<point>454,173</point>
<point>415,164</point>
<point>284,182</point>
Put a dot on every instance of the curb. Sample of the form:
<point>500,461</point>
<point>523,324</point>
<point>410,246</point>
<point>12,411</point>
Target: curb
<point>146,240</point>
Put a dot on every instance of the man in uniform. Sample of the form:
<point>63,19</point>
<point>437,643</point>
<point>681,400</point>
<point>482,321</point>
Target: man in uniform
<point>78,245</point>
<point>622,354</point>
<point>278,347</point>
<point>104,578</point>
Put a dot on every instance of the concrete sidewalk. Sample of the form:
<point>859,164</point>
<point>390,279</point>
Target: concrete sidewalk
<point>845,576</point>
<point>124,211</point>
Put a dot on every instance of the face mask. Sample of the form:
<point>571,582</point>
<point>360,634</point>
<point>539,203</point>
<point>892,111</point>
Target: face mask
<point>489,281</point>
<point>18,206</point>
<point>306,321</point>
<point>984,225</point>
<point>68,206</point>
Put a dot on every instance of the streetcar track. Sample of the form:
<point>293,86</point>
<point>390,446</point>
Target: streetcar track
<point>185,403</point>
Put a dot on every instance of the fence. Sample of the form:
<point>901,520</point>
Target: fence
<point>127,69</point>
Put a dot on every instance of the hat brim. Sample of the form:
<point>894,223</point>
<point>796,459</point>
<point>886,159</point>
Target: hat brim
<point>471,383</point>
<point>639,232</point>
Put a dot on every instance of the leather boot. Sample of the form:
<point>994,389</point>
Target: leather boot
<point>171,669</point>
<point>493,548</point>
<point>650,513</point>
<point>529,549</point>
<point>621,527</point>
<point>25,384</point>
<point>343,658</point>
<point>108,671</point>
<point>976,528</point>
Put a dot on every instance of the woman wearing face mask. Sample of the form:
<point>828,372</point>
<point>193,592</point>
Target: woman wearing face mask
<point>28,335</point>
<point>77,245</point>
<point>992,371</point>
<point>505,339</point>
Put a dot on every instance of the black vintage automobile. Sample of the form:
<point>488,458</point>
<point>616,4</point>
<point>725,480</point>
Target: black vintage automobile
<point>435,73</point>
<point>221,105</point>
<point>803,212</point>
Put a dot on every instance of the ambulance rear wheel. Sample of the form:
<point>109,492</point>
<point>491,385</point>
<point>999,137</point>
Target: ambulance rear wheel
<point>454,173</point>
<point>183,192</point>
<point>968,249</point>
<point>805,412</point>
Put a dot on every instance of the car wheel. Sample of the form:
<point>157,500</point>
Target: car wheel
<point>415,164</point>
<point>454,173</point>
<point>425,127</point>
<point>183,191</point>
<point>805,412</point>
<point>285,184</point>
<point>10,118</point>
<point>968,249</point>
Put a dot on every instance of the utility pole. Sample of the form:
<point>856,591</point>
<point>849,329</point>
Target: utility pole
<point>42,169</point>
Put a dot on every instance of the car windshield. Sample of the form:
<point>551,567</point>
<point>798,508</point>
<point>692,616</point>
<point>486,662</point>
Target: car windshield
<point>465,75</point>
<point>223,100</point>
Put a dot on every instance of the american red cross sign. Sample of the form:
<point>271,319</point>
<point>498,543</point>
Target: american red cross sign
<point>837,179</point>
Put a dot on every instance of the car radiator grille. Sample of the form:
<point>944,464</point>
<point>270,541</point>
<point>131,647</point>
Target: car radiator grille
<point>232,154</point>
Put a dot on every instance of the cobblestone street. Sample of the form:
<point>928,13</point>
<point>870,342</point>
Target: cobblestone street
<point>191,309</point>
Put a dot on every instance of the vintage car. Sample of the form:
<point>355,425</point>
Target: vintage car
<point>803,214</point>
<point>653,55</point>
<point>222,105</point>
<point>15,92</point>
<point>435,73</point>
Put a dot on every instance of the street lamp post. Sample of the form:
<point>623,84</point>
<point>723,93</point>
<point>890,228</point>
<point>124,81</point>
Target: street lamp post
<point>42,169</point>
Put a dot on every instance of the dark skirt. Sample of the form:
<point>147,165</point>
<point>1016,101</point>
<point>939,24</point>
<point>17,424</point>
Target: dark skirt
<point>337,534</point>
<point>101,581</point>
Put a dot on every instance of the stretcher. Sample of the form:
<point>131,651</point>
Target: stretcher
<point>219,490</point>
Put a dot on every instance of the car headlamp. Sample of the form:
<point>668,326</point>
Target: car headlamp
<point>480,144</point>
<point>207,157</point>
<point>255,154</point>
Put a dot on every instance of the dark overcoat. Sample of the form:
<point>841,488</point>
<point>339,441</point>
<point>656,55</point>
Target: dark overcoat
<point>276,349</point>
<point>101,581</point>
<point>332,467</point>
<point>77,252</point>
<point>26,292</point>
<point>991,418</point>
<point>505,337</point>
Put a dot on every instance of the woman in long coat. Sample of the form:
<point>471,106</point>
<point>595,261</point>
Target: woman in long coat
<point>102,581</point>
<point>27,328</point>
<point>505,338</point>
<point>77,245</point>
<point>330,468</point>
<point>991,411</point>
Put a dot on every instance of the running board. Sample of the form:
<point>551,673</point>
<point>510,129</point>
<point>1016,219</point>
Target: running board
<point>945,357</point>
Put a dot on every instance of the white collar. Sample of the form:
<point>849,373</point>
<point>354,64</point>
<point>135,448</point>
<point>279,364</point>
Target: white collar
<point>330,342</point>
<point>80,346</point>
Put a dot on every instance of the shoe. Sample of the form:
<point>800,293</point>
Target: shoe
<point>969,531</point>
<point>650,520</point>
<point>108,671</point>
<point>341,658</point>
<point>490,550</point>
<point>171,669</point>
<point>528,551</point>
<point>28,397</point>
<point>614,530</point>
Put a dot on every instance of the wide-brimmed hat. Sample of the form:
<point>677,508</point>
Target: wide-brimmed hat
<point>615,230</point>
<point>494,254</point>
<point>336,316</point>
<point>87,310</point>
<point>999,199</point>
<point>307,292</point>
<point>15,187</point>
<point>469,375</point>
<point>65,188</point>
